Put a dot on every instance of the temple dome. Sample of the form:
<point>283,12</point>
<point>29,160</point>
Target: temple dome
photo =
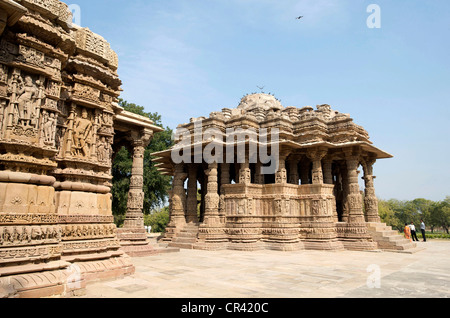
<point>263,101</point>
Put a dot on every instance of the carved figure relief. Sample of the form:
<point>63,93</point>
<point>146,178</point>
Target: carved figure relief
<point>281,176</point>
<point>82,135</point>
<point>26,102</point>
<point>49,128</point>
<point>104,150</point>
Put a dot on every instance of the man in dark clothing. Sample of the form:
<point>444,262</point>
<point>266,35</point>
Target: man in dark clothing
<point>422,229</point>
<point>413,232</point>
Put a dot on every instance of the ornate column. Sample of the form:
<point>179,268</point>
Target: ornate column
<point>356,235</point>
<point>245,174</point>
<point>191,213</point>
<point>316,157</point>
<point>281,174</point>
<point>133,236</point>
<point>212,195</point>
<point>135,217</point>
<point>178,198</point>
<point>355,213</point>
<point>211,231</point>
<point>370,199</point>
<point>321,225</point>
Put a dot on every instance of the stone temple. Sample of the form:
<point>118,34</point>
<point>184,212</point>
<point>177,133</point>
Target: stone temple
<point>60,126</point>
<point>312,201</point>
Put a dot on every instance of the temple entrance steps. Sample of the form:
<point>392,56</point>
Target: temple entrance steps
<point>390,240</point>
<point>187,237</point>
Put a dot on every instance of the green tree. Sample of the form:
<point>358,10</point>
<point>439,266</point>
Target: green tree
<point>423,209</point>
<point>440,215</point>
<point>387,215</point>
<point>158,220</point>
<point>156,186</point>
<point>402,215</point>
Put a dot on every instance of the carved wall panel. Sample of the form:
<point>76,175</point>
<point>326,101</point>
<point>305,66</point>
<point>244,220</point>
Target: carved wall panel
<point>58,94</point>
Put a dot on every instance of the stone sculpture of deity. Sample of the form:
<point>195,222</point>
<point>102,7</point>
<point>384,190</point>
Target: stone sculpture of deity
<point>82,135</point>
<point>26,100</point>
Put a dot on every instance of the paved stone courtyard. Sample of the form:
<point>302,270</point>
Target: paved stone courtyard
<point>271,274</point>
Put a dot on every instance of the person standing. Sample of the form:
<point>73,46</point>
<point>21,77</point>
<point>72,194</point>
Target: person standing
<point>407,232</point>
<point>422,229</point>
<point>413,232</point>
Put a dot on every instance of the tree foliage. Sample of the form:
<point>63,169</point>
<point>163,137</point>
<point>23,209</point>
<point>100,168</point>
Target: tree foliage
<point>436,215</point>
<point>158,220</point>
<point>156,186</point>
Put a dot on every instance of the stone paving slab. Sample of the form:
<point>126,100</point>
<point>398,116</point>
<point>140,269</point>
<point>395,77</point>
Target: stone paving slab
<point>272,274</point>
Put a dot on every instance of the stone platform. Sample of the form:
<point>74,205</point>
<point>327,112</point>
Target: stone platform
<point>297,274</point>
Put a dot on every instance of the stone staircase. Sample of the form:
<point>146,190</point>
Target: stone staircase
<point>390,240</point>
<point>187,238</point>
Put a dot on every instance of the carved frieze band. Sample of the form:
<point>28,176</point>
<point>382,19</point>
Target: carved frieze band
<point>90,231</point>
<point>26,219</point>
<point>85,219</point>
<point>8,255</point>
<point>29,219</point>
<point>31,235</point>
<point>93,245</point>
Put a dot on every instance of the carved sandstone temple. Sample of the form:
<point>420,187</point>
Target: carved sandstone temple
<point>312,201</point>
<point>59,124</point>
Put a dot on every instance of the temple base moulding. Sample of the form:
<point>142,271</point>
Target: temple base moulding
<point>66,281</point>
<point>134,243</point>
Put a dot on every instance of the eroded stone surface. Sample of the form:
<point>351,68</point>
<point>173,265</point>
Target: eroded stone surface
<point>59,123</point>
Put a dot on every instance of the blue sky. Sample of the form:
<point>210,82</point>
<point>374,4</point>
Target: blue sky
<point>188,58</point>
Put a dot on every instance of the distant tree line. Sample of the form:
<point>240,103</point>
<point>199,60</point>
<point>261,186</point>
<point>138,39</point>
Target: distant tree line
<point>436,214</point>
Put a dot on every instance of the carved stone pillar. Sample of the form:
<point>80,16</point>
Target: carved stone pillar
<point>211,232</point>
<point>212,196</point>
<point>356,214</point>
<point>191,214</point>
<point>370,198</point>
<point>281,174</point>
<point>133,236</point>
<point>355,234</point>
<point>245,174</point>
<point>135,217</point>
<point>316,157</point>
<point>178,197</point>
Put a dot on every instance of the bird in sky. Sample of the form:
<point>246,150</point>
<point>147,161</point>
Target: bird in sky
<point>261,88</point>
<point>300,17</point>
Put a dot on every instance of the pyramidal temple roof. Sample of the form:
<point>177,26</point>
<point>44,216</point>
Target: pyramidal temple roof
<point>299,128</point>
